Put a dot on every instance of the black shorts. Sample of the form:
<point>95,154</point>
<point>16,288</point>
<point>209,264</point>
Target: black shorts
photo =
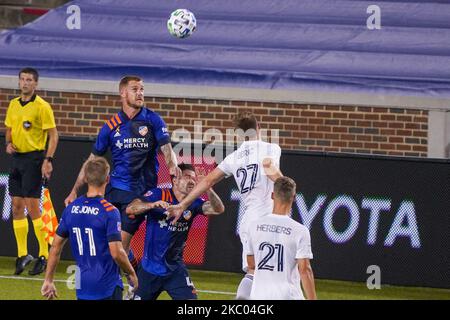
<point>121,199</point>
<point>25,176</point>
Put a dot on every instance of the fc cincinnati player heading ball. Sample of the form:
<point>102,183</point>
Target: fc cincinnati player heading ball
<point>163,268</point>
<point>133,135</point>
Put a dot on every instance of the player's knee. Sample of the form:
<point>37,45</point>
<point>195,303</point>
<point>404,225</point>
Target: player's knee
<point>18,210</point>
<point>32,205</point>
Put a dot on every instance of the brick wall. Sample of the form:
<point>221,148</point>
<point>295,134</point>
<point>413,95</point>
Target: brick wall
<point>371,130</point>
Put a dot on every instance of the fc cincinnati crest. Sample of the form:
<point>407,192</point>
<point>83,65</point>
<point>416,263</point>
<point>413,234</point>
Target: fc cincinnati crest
<point>143,130</point>
<point>187,214</point>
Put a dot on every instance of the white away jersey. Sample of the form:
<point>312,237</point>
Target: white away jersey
<point>276,242</point>
<point>245,164</point>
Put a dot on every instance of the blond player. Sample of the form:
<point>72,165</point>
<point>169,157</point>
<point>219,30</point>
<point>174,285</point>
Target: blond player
<point>254,166</point>
<point>279,249</point>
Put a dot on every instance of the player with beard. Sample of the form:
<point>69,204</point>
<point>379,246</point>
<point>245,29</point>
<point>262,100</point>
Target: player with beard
<point>163,268</point>
<point>133,136</point>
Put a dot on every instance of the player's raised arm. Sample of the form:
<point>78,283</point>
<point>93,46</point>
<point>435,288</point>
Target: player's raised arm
<point>78,183</point>
<point>48,289</point>
<point>307,278</point>
<point>271,169</point>
<point>171,160</point>
<point>214,205</point>
<point>207,183</point>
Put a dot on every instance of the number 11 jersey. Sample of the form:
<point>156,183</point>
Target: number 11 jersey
<point>90,224</point>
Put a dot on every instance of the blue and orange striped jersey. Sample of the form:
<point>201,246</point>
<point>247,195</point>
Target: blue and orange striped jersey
<point>164,243</point>
<point>134,144</point>
<point>90,224</point>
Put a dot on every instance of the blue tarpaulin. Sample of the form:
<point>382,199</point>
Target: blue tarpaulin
<point>266,44</point>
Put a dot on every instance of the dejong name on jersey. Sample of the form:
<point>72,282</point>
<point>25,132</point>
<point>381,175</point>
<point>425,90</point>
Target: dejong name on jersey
<point>85,209</point>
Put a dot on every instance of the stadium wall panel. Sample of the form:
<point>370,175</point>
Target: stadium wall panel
<point>305,127</point>
<point>362,212</point>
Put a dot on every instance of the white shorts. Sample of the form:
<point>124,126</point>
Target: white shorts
<point>246,221</point>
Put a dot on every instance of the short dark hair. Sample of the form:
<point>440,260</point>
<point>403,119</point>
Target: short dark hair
<point>186,166</point>
<point>96,171</point>
<point>31,71</point>
<point>284,189</point>
<point>246,121</point>
<point>125,80</point>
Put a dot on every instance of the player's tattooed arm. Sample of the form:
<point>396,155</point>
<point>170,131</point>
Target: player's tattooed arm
<point>171,160</point>
<point>137,206</point>
<point>203,186</point>
<point>214,205</point>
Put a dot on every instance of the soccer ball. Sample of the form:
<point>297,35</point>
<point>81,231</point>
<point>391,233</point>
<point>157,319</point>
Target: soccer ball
<point>182,23</point>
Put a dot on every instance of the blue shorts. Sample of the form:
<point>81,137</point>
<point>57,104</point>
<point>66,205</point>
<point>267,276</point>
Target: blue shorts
<point>121,199</point>
<point>117,294</point>
<point>177,284</point>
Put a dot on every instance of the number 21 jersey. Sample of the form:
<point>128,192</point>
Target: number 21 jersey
<point>276,242</point>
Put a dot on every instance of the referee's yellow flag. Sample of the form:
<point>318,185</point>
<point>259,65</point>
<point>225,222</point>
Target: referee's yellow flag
<point>48,217</point>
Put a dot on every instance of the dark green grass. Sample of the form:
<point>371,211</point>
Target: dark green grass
<point>211,286</point>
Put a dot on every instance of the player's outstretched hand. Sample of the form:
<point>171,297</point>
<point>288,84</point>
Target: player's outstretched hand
<point>201,174</point>
<point>161,204</point>
<point>48,290</point>
<point>70,198</point>
<point>174,212</point>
